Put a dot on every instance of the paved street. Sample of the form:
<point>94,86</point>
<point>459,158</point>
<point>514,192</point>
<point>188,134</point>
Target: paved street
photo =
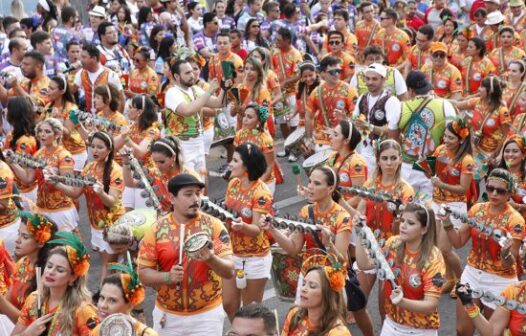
<point>287,203</point>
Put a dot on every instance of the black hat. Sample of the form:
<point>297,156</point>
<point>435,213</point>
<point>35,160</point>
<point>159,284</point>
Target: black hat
<point>183,180</point>
<point>417,81</point>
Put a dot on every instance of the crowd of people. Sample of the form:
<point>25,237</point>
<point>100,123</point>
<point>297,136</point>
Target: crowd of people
<point>408,117</point>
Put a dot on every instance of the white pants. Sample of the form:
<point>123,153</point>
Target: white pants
<point>66,220</point>
<point>417,179</point>
<point>9,234</point>
<point>391,328</point>
<point>208,136</point>
<point>194,153</point>
<point>31,196</point>
<point>131,198</point>
<point>98,243</point>
<point>209,323</point>
<point>255,267</point>
<point>6,326</point>
<point>79,160</point>
<point>478,279</point>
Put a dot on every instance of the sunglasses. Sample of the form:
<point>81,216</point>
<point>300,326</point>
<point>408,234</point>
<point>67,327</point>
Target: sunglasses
<point>490,189</point>
<point>334,72</point>
<point>335,42</point>
<point>439,55</point>
<point>384,18</point>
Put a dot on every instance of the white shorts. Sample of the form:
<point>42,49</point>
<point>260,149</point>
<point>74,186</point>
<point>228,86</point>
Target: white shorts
<point>208,136</point>
<point>460,207</point>
<point>291,100</point>
<point>6,326</point>
<point>478,279</point>
<point>417,179</point>
<point>31,196</point>
<point>194,153</point>
<point>255,267</point>
<point>98,243</point>
<point>66,220</point>
<point>391,328</point>
<point>131,198</point>
<point>9,234</point>
<point>79,161</point>
<point>209,323</point>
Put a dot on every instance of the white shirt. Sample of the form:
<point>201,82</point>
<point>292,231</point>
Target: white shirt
<point>399,81</point>
<point>113,79</point>
<point>176,96</point>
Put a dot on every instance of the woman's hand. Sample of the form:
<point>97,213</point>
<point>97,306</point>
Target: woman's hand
<point>326,235</point>
<point>397,295</point>
<point>49,173</point>
<point>98,188</point>
<point>39,325</point>
<point>237,224</point>
<point>436,181</point>
<point>302,191</point>
<point>265,223</point>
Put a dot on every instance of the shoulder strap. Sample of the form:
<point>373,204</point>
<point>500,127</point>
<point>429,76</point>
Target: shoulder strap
<point>323,110</point>
<point>316,233</point>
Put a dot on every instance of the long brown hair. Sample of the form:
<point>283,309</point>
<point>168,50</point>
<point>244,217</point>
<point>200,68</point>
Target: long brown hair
<point>426,217</point>
<point>260,81</point>
<point>332,307</point>
<point>383,146</point>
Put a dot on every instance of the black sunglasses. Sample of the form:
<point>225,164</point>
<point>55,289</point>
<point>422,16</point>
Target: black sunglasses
<point>490,189</point>
<point>334,72</point>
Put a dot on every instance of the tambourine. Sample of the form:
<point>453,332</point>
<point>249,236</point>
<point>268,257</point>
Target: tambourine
<point>197,242</point>
<point>117,325</point>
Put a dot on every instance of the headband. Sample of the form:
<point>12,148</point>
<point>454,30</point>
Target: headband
<point>109,91</point>
<point>107,138</point>
<point>509,184</point>
<point>460,128</point>
<point>132,287</point>
<point>77,253</point>
<point>350,130</point>
<point>158,142</point>
<point>39,226</point>
<point>491,84</point>
<point>333,269</point>
<point>519,140</point>
<point>143,101</point>
<point>63,91</point>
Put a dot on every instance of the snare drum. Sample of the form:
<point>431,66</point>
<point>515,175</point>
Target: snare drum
<point>285,273</point>
<point>295,143</point>
<point>224,126</point>
<point>316,160</point>
<point>117,325</point>
<point>140,221</point>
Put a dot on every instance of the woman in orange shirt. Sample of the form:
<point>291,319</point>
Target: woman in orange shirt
<point>31,251</point>
<point>507,52</point>
<point>411,299</point>
<point>21,140</point>
<point>51,202</point>
<point>253,131</point>
<point>518,125</point>
<point>513,159</point>
<point>139,136</point>
<point>476,67</point>
<point>248,195</point>
<point>103,199</point>
<point>143,79</point>
<point>309,80</point>
<point>458,49</point>
<point>271,78</point>
<point>515,86</point>
<point>61,103</point>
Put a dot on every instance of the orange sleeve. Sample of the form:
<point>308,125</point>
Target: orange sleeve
<point>262,201</point>
<point>509,293</point>
<point>468,165</point>
<point>343,222</point>
<point>147,250</point>
<point>267,143</point>
<point>433,275</point>
<point>357,167</point>
<point>66,160</point>
<point>455,81</point>
<point>504,116</point>
<point>516,227</point>
<point>117,179</point>
<point>407,193</point>
<point>27,313</point>
<point>220,239</point>
<point>87,319</point>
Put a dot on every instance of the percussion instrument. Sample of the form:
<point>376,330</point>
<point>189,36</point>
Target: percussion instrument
<point>139,174</point>
<point>478,293</point>
<point>295,143</point>
<point>218,210</point>
<point>117,325</point>
<point>371,194</point>
<point>316,160</point>
<point>285,273</point>
<point>25,160</point>
<point>281,108</point>
<point>74,181</point>
<point>139,220</point>
<point>101,123</point>
<point>224,127</point>
<point>197,242</point>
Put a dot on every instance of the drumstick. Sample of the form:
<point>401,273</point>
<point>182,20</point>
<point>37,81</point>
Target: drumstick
<point>39,284</point>
<point>297,171</point>
<point>181,243</point>
<point>276,317</point>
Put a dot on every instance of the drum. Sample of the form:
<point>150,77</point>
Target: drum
<point>140,220</point>
<point>281,108</point>
<point>117,325</point>
<point>197,242</point>
<point>295,144</point>
<point>285,273</point>
<point>224,127</point>
<point>316,160</point>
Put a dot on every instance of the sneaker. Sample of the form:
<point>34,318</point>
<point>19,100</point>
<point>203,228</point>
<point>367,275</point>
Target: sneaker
<point>282,154</point>
<point>292,158</point>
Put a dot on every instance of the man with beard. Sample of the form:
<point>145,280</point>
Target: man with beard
<point>113,55</point>
<point>188,286</point>
<point>184,102</point>
<point>34,85</point>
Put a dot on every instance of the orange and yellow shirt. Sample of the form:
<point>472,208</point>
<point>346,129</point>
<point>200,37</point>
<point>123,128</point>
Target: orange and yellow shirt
<point>395,45</point>
<point>419,58</point>
<point>305,327</point>
<point>349,40</point>
<point>417,282</point>
<point>86,318</point>
<point>160,180</point>
<point>201,287</point>
<point>322,102</point>
<point>501,58</point>
<point>348,168</point>
<point>137,136</point>
<point>335,219</point>
<point>7,267</point>
<point>24,145</point>
<point>450,172</point>
<point>144,81</point>
<point>446,81</point>
<point>36,88</point>
<point>519,124</point>
<point>256,198</point>
<point>378,214</point>
<point>21,282</point>
<point>474,72</point>
<point>520,190</point>
<point>348,62</point>
<point>215,70</point>
<point>365,32</point>
<point>489,124</point>
<point>485,251</point>
<point>72,141</point>
<point>50,198</point>
<point>517,322</point>
<point>511,97</point>
<point>101,216</point>
<point>7,180</point>
<point>285,64</point>
<point>262,139</point>
<point>263,96</point>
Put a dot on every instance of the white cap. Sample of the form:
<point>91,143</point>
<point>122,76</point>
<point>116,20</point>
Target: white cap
<point>494,18</point>
<point>377,68</point>
<point>98,11</point>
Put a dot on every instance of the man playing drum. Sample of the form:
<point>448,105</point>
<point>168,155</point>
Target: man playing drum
<point>188,285</point>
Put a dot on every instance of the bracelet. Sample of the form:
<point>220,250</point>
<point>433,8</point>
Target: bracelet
<point>472,310</point>
<point>167,278</point>
<point>447,227</point>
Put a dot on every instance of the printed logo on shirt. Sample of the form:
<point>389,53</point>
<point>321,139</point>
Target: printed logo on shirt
<point>3,183</point>
<point>438,280</point>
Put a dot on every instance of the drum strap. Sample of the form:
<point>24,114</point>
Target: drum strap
<point>323,110</point>
<point>315,235</point>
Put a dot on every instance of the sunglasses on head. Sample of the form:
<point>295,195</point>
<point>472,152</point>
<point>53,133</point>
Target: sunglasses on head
<point>335,42</point>
<point>500,191</point>
<point>334,72</point>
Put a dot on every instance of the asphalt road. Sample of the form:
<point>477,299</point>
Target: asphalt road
<point>287,203</point>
